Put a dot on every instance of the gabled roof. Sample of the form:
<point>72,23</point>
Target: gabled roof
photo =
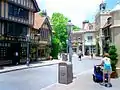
<point>37,9</point>
<point>38,21</point>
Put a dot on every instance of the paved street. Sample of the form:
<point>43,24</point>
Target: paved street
<point>84,65</point>
<point>38,78</point>
<point>84,82</point>
<point>30,79</point>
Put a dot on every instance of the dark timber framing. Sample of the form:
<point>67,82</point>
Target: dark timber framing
<point>15,24</point>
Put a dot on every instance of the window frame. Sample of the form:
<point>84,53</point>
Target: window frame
<point>18,12</point>
<point>90,38</point>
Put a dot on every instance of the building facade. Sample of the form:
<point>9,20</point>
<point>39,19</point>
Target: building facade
<point>84,40</point>
<point>90,42</point>
<point>111,32</point>
<point>89,38</point>
<point>16,20</point>
<point>100,20</point>
<point>115,29</point>
<point>78,41</point>
<point>43,27</point>
<point>107,35</point>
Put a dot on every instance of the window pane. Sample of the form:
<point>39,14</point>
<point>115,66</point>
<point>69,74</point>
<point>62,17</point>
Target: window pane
<point>90,37</point>
<point>18,12</point>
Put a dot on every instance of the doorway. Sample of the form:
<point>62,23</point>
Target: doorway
<point>15,48</point>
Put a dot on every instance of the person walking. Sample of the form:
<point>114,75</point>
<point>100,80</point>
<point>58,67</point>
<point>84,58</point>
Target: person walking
<point>28,62</point>
<point>80,54</point>
<point>92,55</point>
<point>107,69</point>
<point>16,58</point>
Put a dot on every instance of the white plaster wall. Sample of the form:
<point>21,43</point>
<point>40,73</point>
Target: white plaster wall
<point>116,41</point>
<point>87,42</point>
<point>116,18</point>
<point>103,20</point>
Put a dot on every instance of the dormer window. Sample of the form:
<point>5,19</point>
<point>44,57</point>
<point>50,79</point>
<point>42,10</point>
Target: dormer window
<point>109,20</point>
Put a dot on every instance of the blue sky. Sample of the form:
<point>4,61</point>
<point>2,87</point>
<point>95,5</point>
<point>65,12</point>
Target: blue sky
<point>76,10</point>
<point>110,4</point>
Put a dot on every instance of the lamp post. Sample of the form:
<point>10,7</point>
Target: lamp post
<point>69,30</point>
<point>79,44</point>
<point>67,46</point>
<point>102,39</point>
<point>91,48</point>
<point>28,39</point>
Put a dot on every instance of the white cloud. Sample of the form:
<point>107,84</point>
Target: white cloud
<point>76,10</point>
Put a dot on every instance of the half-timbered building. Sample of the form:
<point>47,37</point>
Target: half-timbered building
<point>42,26</point>
<point>16,20</point>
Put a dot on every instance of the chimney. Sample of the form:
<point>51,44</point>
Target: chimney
<point>85,25</point>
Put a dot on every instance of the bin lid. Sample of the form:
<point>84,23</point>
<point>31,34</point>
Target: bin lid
<point>68,63</point>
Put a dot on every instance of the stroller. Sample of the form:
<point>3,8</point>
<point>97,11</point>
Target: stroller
<point>98,74</point>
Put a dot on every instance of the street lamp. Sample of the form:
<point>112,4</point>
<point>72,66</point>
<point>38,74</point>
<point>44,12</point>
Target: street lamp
<point>67,46</point>
<point>28,40</point>
<point>69,30</point>
<point>102,39</point>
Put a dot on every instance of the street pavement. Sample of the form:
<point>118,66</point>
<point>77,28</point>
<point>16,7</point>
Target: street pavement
<point>46,77</point>
<point>84,82</point>
<point>31,65</point>
<point>29,79</point>
<point>86,64</point>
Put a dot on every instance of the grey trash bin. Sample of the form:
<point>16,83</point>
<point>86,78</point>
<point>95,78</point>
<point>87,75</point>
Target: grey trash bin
<point>64,57</point>
<point>65,73</point>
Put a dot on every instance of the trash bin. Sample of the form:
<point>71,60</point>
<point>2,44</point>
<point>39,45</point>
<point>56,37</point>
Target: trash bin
<point>64,57</point>
<point>65,73</point>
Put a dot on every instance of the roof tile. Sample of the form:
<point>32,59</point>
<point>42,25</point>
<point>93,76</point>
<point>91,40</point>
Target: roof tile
<point>38,21</point>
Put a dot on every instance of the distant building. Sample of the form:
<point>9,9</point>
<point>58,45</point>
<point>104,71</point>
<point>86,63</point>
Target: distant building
<point>100,20</point>
<point>89,38</point>
<point>78,41</point>
<point>84,40</point>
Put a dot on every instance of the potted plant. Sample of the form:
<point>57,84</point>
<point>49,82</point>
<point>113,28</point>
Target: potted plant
<point>113,56</point>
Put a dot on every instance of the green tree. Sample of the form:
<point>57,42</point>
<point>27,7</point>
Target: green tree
<point>113,57</point>
<point>76,28</point>
<point>59,22</point>
<point>43,13</point>
<point>55,47</point>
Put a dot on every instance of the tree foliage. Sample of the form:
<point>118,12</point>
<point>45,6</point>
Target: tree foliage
<point>113,57</point>
<point>59,22</point>
<point>76,28</point>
